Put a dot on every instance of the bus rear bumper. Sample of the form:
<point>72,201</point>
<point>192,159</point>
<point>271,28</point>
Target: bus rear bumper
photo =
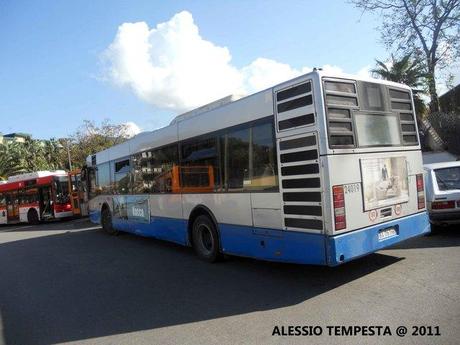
<point>354,244</point>
<point>65,214</point>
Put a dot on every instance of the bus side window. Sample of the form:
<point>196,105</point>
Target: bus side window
<point>249,158</point>
<point>103,179</point>
<point>153,171</point>
<point>122,170</point>
<point>265,170</point>
<point>200,165</point>
<point>236,160</point>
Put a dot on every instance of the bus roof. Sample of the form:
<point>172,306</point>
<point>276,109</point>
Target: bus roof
<point>171,133</point>
<point>38,178</point>
<point>36,174</point>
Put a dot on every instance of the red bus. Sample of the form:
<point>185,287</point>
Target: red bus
<point>34,197</point>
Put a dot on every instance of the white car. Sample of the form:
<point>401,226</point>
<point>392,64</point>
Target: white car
<point>442,185</point>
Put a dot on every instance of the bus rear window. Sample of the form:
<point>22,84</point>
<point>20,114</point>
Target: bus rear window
<point>377,130</point>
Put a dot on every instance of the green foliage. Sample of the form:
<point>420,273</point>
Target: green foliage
<point>90,138</point>
<point>30,155</point>
<point>34,155</point>
<point>428,29</point>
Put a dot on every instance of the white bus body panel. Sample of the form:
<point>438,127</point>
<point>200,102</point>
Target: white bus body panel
<point>266,210</point>
<point>166,205</point>
<point>23,213</point>
<point>228,208</point>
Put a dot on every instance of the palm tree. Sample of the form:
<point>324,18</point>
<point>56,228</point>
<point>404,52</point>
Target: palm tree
<point>52,153</point>
<point>406,71</point>
<point>12,160</point>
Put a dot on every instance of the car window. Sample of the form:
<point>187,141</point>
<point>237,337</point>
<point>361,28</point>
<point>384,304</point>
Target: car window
<point>448,178</point>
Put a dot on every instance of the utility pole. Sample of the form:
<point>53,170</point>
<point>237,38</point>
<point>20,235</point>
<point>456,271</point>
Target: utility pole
<point>68,154</point>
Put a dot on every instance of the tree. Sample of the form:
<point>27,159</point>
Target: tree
<point>12,161</point>
<point>430,29</point>
<point>91,138</point>
<point>34,155</point>
<point>406,71</point>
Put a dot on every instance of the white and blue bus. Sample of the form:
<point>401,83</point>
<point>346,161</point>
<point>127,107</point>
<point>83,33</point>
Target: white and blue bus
<point>320,169</point>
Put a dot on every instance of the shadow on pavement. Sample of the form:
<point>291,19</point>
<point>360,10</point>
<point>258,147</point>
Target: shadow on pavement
<point>80,285</point>
<point>52,225</point>
<point>441,237</point>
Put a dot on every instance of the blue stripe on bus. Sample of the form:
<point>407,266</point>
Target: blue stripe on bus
<point>273,245</point>
<point>282,245</point>
<point>95,216</point>
<point>365,241</point>
<point>169,229</point>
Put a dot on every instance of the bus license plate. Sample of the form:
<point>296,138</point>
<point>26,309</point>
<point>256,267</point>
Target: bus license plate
<point>387,233</point>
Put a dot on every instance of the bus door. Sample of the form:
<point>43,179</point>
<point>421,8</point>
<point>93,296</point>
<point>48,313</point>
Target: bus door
<point>12,208</point>
<point>3,217</point>
<point>44,198</point>
<point>75,192</point>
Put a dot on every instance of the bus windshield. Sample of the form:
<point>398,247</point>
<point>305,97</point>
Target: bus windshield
<point>62,190</point>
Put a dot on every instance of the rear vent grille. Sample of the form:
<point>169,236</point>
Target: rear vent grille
<point>401,103</point>
<point>301,183</point>
<point>341,97</point>
<point>294,107</point>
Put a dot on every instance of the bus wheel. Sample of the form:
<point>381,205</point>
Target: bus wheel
<point>32,216</point>
<point>205,239</point>
<point>106,222</point>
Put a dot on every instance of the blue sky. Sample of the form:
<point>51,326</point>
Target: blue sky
<point>57,68</point>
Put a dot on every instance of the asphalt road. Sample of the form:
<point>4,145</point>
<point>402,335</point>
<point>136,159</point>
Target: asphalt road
<point>68,282</point>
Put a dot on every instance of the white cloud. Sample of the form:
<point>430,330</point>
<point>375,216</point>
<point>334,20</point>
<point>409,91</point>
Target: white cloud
<point>171,66</point>
<point>131,129</point>
<point>263,73</point>
<point>365,72</point>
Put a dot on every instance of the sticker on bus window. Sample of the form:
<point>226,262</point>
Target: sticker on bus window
<point>385,182</point>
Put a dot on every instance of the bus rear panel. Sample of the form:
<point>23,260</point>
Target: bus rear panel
<point>350,167</point>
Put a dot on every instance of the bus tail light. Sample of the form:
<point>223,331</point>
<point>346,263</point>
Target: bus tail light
<point>442,205</point>
<point>340,218</point>
<point>62,207</point>
<point>420,191</point>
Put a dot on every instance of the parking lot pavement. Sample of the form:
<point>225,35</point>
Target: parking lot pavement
<point>68,282</point>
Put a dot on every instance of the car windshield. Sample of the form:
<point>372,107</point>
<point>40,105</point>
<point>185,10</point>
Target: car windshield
<point>448,178</point>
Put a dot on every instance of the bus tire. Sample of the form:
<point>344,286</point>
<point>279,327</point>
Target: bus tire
<point>106,222</point>
<point>205,239</point>
<point>32,217</point>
